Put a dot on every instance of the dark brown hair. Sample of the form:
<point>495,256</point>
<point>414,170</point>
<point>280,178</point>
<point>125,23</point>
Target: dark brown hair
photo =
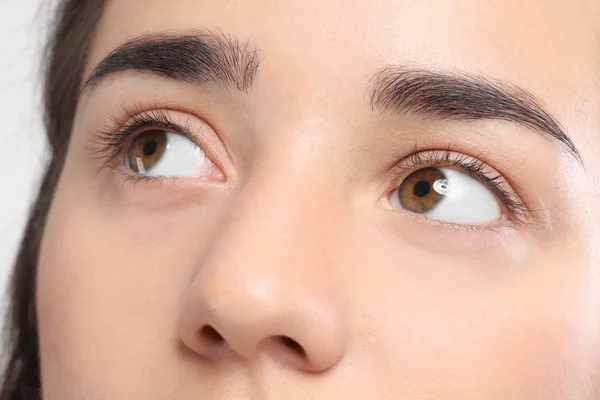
<point>69,43</point>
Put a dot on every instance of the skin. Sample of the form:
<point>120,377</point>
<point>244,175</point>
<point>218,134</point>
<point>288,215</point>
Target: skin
<point>296,239</point>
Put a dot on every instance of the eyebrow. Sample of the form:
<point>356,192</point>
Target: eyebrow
<point>213,57</point>
<point>460,96</point>
<point>199,57</point>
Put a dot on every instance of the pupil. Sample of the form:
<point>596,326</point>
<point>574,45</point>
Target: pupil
<point>422,188</point>
<point>150,147</point>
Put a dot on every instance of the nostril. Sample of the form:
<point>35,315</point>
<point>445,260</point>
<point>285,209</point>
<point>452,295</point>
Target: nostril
<point>209,333</point>
<point>293,345</point>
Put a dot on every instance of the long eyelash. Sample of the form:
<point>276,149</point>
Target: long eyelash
<point>112,140</point>
<point>475,169</point>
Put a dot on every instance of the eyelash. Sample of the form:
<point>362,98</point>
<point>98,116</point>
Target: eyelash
<point>113,140</point>
<point>474,168</point>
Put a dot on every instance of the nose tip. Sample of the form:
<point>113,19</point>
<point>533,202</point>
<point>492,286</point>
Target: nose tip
<point>271,283</point>
<point>298,332</point>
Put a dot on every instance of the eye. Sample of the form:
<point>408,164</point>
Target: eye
<point>447,195</point>
<point>166,154</point>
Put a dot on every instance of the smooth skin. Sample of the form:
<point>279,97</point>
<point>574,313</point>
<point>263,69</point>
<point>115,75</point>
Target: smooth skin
<point>184,289</point>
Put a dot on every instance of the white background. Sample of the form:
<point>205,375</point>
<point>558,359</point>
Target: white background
<point>23,27</point>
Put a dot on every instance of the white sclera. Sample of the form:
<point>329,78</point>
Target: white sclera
<point>465,200</point>
<point>181,158</point>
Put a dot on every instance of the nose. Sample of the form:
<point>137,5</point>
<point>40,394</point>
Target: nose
<point>268,286</point>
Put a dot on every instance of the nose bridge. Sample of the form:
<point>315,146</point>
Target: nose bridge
<point>287,208</point>
<point>280,230</point>
<point>269,273</point>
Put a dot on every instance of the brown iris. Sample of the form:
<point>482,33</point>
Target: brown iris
<point>417,193</point>
<point>146,150</point>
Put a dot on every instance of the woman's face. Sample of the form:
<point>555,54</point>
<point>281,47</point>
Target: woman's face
<point>329,200</point>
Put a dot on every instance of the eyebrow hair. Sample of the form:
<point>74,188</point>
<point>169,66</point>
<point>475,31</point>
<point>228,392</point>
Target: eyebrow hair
<point>200,57</point>
<point>462,96</point>
<point>213,57</point>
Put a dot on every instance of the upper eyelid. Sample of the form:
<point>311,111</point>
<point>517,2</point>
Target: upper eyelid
<point>156,119</point>
<point>432,157</point>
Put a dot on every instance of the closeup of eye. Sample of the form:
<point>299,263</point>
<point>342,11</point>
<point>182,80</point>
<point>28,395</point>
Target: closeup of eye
<point>159,144</point>
<point>447,195</point>
<point>166,154</point>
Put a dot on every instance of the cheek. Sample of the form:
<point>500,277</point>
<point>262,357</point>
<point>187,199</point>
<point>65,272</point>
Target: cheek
<point>547,335</point>
<point>532,333</point>
<point>109,290</point>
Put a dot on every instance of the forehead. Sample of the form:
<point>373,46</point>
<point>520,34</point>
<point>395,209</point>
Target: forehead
<point>551,48</point>
<point>468,34</point>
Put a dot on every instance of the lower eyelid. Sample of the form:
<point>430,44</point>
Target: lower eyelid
<point>443,236</point>
<point>151,185</point>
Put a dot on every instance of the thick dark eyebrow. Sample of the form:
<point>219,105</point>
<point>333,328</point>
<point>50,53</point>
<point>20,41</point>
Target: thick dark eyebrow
<point>200,57</point>
<point>213,57</point>
<point>462,96</point>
